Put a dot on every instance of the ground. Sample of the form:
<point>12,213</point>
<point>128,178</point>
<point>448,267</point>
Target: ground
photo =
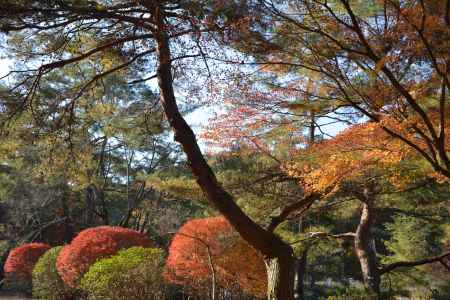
<point>12,296</point>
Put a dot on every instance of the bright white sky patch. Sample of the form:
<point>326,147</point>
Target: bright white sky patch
<point>5,66</point>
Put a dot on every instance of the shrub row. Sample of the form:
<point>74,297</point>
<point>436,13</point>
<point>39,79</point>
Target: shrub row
<point>117,263</point>
<point>100,263</point>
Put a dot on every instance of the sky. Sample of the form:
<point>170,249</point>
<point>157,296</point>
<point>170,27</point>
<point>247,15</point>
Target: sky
<point>4,67</point>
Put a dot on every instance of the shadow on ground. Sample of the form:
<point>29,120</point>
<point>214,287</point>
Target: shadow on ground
<point>12,296</point>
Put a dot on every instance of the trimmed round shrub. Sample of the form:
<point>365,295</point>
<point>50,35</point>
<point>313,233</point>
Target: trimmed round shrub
<point>47,284</point>
<point>134,273</point>
<point>91,245</point>
<point>20,263</point>
<point>238,267</point>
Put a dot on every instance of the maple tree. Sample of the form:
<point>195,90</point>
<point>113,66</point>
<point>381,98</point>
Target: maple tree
<point>360,67</point>
<point>363,161</point>
<point>351,155</point>
<point>385,60</point>
<point>92,244</point>
<point>208,252</point>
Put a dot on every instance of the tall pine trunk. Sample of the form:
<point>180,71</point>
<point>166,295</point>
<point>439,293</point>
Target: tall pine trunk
<point>300,270</point>
<point>279,255</point>
<point>280,275</point>
<point>365,247</point>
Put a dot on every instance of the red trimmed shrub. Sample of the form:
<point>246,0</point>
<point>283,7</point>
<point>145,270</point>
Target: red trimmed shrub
<point>91,245</point>
<point>202,242</point>
<point>20,263</point>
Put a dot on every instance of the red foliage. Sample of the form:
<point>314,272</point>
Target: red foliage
<point>234,261</point>
<point>21,260</point>
<point>91,245</point>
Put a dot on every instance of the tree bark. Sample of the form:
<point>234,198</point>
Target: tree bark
<point>312,128</point>
<point>365,246</point>
<point>409,264</point>
<point>213,274</point>
<point>280,271</point>
<point>68,228</point>
<point>278,253</point>
<point>299,288</point>
<point>90,205</point>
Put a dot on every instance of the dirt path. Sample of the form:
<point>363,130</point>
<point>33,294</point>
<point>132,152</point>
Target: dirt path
<point>12,296</point>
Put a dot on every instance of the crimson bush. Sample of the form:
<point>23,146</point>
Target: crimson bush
<point>91,245</point>
<point>203,246</point>
<point>20,263</point>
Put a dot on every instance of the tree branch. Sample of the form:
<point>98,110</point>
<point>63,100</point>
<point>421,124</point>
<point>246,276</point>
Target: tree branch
<point>302,205</point>
<point>409,264</point>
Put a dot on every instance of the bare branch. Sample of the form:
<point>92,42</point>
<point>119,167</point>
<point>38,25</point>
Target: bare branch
<point>409,264</point>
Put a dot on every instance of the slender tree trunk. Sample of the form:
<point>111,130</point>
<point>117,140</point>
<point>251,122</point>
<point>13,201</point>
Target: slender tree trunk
<point>90,205</point>
<point>213,274</point>
<point>280,272</point>
<point>365,247</point>
<point>301,262</point>
<point>68,229</point>
<point>299,288</point>
<point>95,196</point>
<point>312,128</point>
<point>278,253</point>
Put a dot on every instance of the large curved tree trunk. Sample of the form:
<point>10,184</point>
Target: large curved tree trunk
<point>278,254</point>
<point>280,272</point>
<point>365,247</point>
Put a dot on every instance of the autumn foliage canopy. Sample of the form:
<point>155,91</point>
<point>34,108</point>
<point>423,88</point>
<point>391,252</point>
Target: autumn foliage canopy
<point>91,245</point>
<point>202,245</point>
<point>22,259</point>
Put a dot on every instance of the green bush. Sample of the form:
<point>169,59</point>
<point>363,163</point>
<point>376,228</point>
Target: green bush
<point>354,294</point>
<point>134,273</point>
<point>46,281</point>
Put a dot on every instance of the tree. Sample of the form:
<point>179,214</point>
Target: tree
<point>136,31</point>
<point>364,162</point>
<point>75,177</point>
<point>369,57</point>
<point>413,239</point>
